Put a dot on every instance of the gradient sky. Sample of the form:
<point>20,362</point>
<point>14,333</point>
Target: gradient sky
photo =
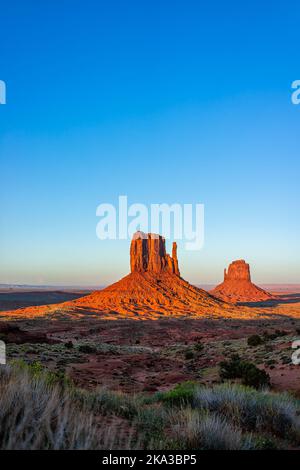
<point>164,101</point>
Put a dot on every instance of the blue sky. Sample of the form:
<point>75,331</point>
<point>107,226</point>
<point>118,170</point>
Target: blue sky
<point>164,102</point>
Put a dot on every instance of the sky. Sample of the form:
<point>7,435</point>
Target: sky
<point>162,101</point>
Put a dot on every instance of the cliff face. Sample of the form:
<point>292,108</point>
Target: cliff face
<point>238,270</point>
<point>148,254</point>
<point>237,285</point>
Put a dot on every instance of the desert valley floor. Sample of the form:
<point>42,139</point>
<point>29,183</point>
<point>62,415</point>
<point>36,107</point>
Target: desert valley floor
<point>155,353</point>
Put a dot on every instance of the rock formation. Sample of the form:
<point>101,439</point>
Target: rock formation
<point>237,285</point>
<point>238,270</point>
<point>153,288</point>
<point>148,254</point>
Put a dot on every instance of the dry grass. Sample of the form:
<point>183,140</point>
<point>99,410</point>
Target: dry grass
<point>206,431</point>
<point>231,416</point>
<point>40,410</point>
<point>35,414</point>
<point>252,410</point>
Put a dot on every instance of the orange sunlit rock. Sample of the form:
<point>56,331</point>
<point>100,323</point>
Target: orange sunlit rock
<point>153,287</point>
<point>148,254</point>
<point>237,285</point>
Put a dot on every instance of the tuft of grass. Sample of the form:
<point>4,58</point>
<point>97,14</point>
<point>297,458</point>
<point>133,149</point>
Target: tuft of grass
<point>252,410</point>
<point>36,415</point>
<point>204,431</point>
<point>106,402</point>
<point>151,423</point>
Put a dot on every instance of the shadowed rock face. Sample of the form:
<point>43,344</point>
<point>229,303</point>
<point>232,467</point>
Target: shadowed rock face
<point>237,285</point>
<point>148,254</point>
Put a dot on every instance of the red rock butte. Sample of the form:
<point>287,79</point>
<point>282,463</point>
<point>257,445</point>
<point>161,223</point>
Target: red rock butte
<point>153,288</point>
<point>237,286</point>
<point>148,254</point>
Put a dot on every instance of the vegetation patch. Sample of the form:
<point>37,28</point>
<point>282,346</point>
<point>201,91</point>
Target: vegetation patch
<point>247,372</point>
<point>254,340</point>
<point>181,394</point>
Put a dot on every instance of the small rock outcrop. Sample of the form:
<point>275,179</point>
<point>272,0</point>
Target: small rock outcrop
<point>148,254</point>
<point>237,286</point>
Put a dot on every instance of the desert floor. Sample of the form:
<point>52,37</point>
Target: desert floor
<point>150,355</point>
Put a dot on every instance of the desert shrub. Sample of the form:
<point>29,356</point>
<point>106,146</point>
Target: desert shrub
<point>252,410</point>
<point>252,376</point>
<point>271,362</point>
<point>199,346</point>
<point>37,371</point>
<point>264,443</point>
<point>87,348</point>
<point>281,333</point>
<point>189,355</point>
<point>254,340</point>
<point>249,374</point>
<point>269,336</point>
<point>181,394</point>
<point>275,335</point>
<point>206,431</point>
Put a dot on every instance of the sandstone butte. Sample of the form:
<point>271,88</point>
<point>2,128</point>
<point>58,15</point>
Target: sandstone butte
<point>148,254</point>
<point>237,286</point>
<point>154,289</point>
